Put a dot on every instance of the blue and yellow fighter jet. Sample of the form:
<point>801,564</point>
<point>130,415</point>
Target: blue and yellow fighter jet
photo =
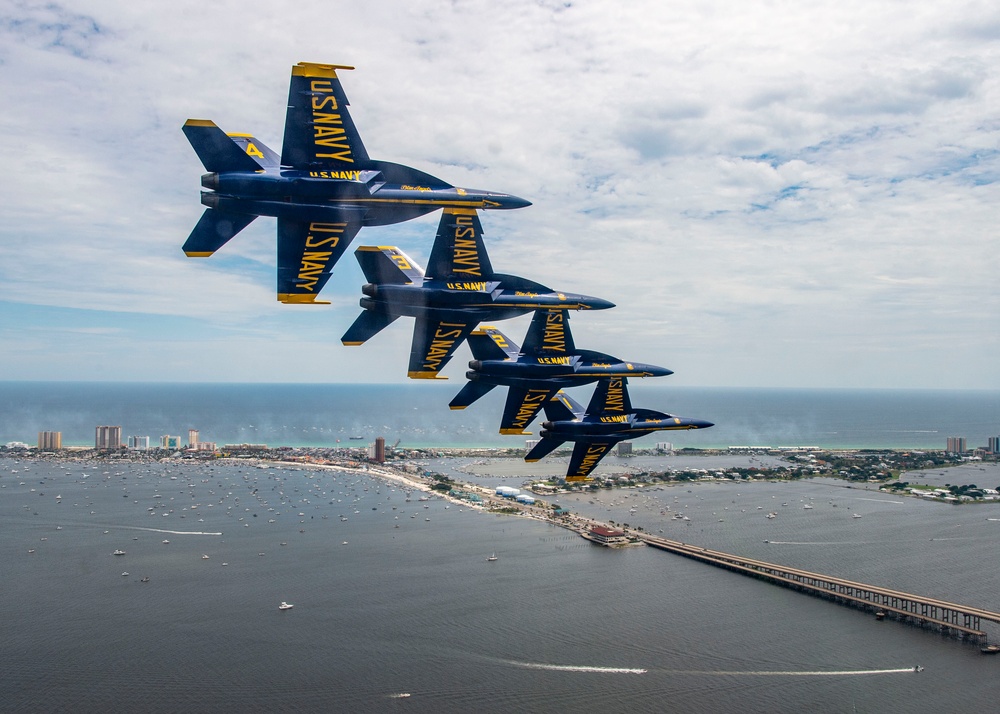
<point>547,362</point>
<point>322,189</point>
<point>458,291</point>
<point>608,419</point>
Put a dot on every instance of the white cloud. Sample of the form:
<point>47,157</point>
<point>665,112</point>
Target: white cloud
<point>774,194</point>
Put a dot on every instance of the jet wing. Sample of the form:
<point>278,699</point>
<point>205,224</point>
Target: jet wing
<point>586,455</point>
<point>549,334</point>
<point>435,341</point>
<point>459,253</point>
<point>319,132</point>
<point>610,397</point>
<point>522,406</point>
<point>307,252</point>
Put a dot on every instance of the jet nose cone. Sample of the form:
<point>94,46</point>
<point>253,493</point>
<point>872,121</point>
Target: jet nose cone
<point>652,370</point>
<point>513,202</point>
<point>599,304</point>
<point>700,423</point>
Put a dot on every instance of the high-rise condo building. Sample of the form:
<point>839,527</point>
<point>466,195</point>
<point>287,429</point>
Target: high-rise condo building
<point>49,440</point>
<point>108,437</point>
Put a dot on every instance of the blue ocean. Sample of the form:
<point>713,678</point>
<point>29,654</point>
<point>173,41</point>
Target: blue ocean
<point>396,607</point>
<point>418,414</point>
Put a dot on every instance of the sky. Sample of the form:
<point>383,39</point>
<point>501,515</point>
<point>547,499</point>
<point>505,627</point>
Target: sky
<point>774,194</point>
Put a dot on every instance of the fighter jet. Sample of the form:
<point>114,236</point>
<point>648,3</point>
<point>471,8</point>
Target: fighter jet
<point>322,189</point>
<point>458,291</point>
<point>608,419</point>
<point>546,363</point>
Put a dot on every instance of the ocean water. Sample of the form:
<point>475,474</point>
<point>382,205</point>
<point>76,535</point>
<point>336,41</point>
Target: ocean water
<point>396,608</point>
<point>418,414</point>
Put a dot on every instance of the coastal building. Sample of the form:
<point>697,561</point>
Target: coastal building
<point>16,445</point>
<point>108,437</point>
<point>138,443</point>
<point>665,446</point>
<point>956,445</point>
<point>608,536</point>
<point>994,445</point>
<point>376,452</point>
<point>49,440</point>
<point>624,448</point>
<point>170,442</point>
<point>205,446</point>
<point>192,438</point>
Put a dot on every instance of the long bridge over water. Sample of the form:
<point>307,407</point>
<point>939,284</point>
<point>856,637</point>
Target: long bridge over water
<point>948,616</point>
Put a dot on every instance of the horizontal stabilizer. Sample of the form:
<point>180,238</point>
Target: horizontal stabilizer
<point>470,393</point>
<point>488,343</point>
<point>543,448</point>
<point>368,324</point>
<point>217,151</point>
<point>213,230</point>
<point>388,265</point>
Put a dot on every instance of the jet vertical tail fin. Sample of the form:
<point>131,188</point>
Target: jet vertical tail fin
<point>217,151</point>
<point>387,265</point>
<point>319,132</point>
<point>488,343</point>
<point>562,407</point>
<point>213,230</point>
<point>257,150</point>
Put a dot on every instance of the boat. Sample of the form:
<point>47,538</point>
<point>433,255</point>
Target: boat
<point>990,649</point>
<point>855,515</point>
<point>492,558</point>
<point>118,552</point>
<point>125,574</point>
<point>880,614</point>
<point>285,606</point>
<point>807,507</point>
<point>204,557</point>
<point>166,541</point>
<point>144,579</point>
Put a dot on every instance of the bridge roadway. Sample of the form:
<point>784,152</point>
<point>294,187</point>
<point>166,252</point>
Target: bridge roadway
<point>961,619</point>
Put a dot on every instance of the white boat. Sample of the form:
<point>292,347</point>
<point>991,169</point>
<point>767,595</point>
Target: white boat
<point>855,515</point>
<point>118,552</point>
<point>285,606</point>
<point>492,558</point>
<point>166,541</point>
<point>125,574</point>
<point>807,507</point>
<point>204,557</point>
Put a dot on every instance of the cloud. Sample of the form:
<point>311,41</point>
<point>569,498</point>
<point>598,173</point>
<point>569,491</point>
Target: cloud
<point>780,195</point>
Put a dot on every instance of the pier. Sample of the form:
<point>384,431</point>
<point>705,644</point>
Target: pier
<point>949,617</point>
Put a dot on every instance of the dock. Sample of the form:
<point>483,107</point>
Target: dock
<point>960,620</point>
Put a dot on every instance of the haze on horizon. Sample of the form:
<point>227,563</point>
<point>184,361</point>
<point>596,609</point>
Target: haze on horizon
<point>773,194</point>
